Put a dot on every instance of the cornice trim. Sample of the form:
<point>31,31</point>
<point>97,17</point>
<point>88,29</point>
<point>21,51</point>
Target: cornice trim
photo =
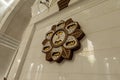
<point>8,41</point>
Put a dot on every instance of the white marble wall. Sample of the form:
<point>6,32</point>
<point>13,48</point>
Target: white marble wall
<point>99,57</point>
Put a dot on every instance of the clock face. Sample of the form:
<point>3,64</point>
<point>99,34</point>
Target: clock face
<point>58,38</point>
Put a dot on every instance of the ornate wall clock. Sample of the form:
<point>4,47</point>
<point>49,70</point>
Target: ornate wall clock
<point>62,40</point>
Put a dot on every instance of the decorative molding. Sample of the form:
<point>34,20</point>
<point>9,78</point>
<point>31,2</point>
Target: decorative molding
<point>8,41</point>
<point>16,68</point>
<point>71,10</point>
<point>11,43</point>
<point>47,3</point>
<point>62,40</point>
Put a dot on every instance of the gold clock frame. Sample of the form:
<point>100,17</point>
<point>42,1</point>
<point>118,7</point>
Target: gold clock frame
<point>62,40</point>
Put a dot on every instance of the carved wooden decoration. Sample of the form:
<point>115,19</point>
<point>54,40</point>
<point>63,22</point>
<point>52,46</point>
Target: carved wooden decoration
<point>62,40</point>
<point>63,4</point>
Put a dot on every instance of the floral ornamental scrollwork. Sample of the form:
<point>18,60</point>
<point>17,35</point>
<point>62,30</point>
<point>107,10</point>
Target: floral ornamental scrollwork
<point>62,40</point>
<point>63,4</point>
